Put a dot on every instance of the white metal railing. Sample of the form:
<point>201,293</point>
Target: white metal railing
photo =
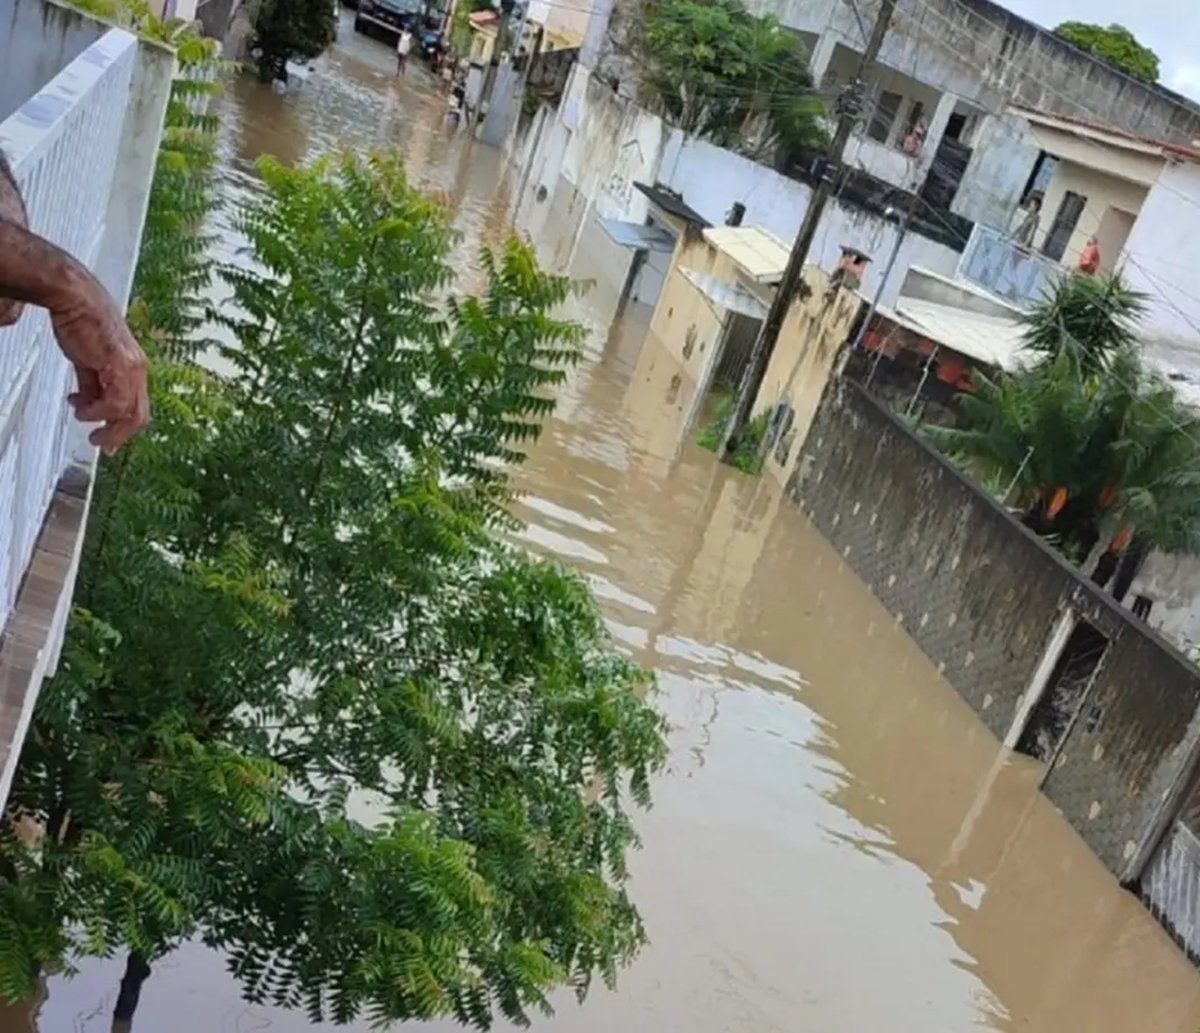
<point>62,145</point>
<point>1002,267</point>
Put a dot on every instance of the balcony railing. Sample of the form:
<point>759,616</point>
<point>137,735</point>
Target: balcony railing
<point>1004,268</point>
<point>62,145</point>
<point>82,147</point>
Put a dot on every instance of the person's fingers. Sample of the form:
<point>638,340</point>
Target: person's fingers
<point>99,410</point>
<point>10,311</point>
<point>89,386</point>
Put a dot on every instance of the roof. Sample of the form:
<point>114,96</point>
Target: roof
<point>757,252</point>
<point>988,339</point>
<point>484,20</point>
<point>672,203</point>
<point>1110,134</point>
<point>998,342</point>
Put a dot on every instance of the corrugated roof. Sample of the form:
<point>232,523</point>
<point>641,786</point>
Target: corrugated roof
<point>757,252</point>
<point>988,339</point>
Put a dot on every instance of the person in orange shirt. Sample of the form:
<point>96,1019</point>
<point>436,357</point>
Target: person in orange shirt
<point>1089,257</point>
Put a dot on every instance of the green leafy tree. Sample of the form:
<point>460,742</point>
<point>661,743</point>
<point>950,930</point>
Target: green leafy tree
<point>1114,44</point>
<point>289,29</point>
<point>725,75</point>
<point>313,709</point>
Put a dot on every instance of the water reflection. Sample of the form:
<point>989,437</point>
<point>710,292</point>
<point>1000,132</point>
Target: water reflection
<point>838,845</point>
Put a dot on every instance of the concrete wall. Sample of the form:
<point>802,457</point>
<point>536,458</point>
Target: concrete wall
<point>1103,191</point>
<point>803,361</point>
<point>1173,584</point>
<point>712,179</point>
<point>686,324</point>
<point>980,596</point>
<point>1163,252</point>
<point>38,39</point>
<point>1003,158</point>
<point>986,54</point>
<point>601,143</point>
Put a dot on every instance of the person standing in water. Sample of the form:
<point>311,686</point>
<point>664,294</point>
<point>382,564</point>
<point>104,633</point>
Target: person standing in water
<point>403,46</point>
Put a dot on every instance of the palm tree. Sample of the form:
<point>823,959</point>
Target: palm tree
<point>1156,502</point>
<point>1041,432</point>
<point>1092,317</point>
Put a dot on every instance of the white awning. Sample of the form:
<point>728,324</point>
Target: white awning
<point>987,339</point>
<point>638,236</point>
<point>723,294</point>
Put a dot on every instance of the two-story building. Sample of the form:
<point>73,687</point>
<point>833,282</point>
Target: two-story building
<point>956,68</point>
<point>1137,198</point>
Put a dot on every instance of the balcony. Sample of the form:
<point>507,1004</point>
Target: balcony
<point>81,110</point>
<point>1002,268</point>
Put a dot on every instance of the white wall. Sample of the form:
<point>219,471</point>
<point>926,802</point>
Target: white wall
<point>601,144</point>
<point>711,180</point>
<point>37,41</point>
<point>1162,253</point>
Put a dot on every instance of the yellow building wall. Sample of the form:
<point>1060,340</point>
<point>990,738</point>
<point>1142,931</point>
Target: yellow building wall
<point>809,343</point>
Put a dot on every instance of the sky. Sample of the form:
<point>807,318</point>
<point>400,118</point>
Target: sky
<point>1171,28</point>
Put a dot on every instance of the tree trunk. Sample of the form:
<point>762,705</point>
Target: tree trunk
<point>137,971</point>
<point>1127,569</point>
<point>1106,567</point>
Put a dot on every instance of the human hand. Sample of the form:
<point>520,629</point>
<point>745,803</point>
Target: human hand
<point>11,210</point>
<point>110,366</point>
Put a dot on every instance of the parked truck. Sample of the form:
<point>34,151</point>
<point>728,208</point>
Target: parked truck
<point>391,16</point>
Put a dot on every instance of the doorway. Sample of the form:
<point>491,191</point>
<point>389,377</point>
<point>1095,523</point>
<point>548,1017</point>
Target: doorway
<point>1114,229</point>
<point>1060,701</point>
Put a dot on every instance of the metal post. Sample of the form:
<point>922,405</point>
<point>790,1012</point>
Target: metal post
<point>849,105</point>
<point>901,234</point>
<point>489,81</point>
<point>921,383</point>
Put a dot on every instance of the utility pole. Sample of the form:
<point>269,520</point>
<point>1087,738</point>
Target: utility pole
<point>901,232</point>
<point>489,82</point>
<point>849,105</point>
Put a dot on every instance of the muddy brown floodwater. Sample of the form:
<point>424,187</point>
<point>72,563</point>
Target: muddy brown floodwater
<point>838,845</point>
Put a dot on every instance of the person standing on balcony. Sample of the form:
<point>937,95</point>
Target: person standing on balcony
<point>1026,219</point>
<point>90,330</point>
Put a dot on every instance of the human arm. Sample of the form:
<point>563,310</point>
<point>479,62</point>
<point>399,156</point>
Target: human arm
<point>90,330</point>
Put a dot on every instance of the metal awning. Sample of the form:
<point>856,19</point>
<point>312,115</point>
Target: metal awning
<point>638,236</point>
<point>672,204</point>
<point>723,294</point>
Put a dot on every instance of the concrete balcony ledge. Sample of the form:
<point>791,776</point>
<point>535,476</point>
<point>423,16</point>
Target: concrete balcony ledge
<point>81,112</point>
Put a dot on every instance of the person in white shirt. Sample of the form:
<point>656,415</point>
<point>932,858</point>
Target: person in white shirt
<point>403,46</point>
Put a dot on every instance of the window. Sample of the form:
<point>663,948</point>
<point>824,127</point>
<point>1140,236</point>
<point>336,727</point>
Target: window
<point>1064,225</point>
<point>883,117</point>
<point>956,127</point>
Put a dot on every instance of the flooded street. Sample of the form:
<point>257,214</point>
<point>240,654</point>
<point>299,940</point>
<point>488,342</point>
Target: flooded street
<point>837,844</point>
